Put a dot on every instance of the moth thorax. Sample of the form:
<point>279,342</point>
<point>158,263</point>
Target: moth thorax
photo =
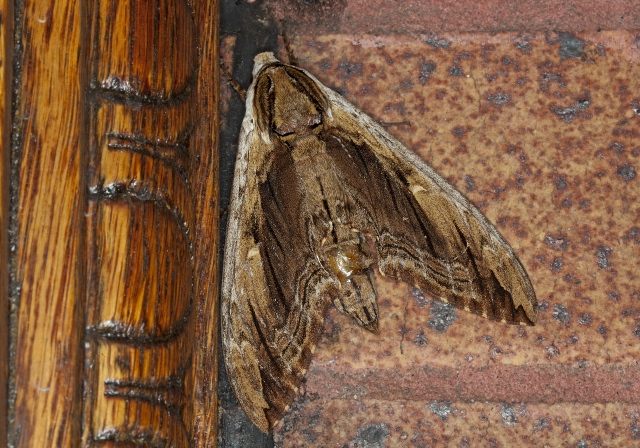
<point>287,121</point>
<point>347,259</point>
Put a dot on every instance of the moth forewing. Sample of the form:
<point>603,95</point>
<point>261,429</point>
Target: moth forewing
<point>314,176</point>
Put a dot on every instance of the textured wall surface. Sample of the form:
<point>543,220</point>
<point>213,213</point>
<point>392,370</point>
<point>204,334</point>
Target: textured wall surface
<point>539,129</point>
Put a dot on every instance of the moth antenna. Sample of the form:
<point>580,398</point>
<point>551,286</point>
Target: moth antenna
<point>287,45</point>
<point>235,85</point>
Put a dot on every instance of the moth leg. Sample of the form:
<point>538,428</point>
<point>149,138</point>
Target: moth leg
<point>350,261</point>
<point>235,85</point>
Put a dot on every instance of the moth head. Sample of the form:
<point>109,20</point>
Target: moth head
<point>287,102</point>
<point>261,60</point>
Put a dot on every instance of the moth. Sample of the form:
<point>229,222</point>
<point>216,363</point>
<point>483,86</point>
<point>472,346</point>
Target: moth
<point>319,186</point>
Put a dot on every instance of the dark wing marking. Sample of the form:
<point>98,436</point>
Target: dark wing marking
<point>427,233</point>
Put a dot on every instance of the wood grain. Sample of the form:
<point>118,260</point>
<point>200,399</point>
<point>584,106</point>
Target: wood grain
<point>206,247</point>
<point>152,226</point>
<point>6,31</point>
<point>48,343</point>
<point>117,225</point>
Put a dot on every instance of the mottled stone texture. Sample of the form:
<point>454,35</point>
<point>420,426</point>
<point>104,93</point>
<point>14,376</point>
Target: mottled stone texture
<point>541,132</point>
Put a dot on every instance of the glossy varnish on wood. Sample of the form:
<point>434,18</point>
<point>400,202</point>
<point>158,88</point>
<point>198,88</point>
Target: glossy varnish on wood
<point>115,323</point>
<point>48,304</point>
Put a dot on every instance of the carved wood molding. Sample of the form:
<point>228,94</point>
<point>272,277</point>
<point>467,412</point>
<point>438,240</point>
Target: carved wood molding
<point>114,329</point>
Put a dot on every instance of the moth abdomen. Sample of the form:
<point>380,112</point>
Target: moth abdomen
<point>358,299</point>
<point>351,262</point>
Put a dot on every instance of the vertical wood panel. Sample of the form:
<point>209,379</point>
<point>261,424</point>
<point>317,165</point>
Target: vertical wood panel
<point>141,273</point>
<point>207,231</point>
<point>113,329</point>
<point>152,225</point>
<point>6,28</point>
<point>49,308</point>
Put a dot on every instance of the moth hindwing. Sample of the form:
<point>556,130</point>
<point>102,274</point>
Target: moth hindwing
<point>315,178</point>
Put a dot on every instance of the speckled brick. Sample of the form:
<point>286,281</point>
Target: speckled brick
<point>462,425</point>
<point>383,17</point>
<point>541,132</point>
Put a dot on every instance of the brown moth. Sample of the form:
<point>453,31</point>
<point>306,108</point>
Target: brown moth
<point>314,178</point>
